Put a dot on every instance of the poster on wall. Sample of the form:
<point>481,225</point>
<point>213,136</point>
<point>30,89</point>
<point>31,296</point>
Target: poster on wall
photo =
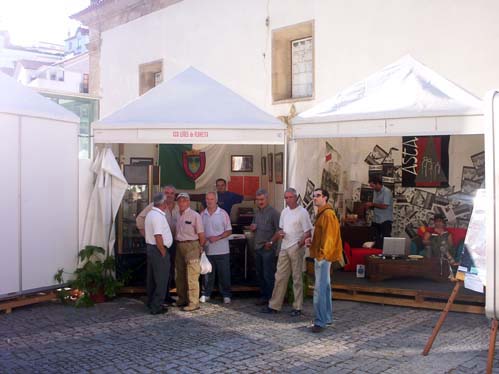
<point>425,161</point>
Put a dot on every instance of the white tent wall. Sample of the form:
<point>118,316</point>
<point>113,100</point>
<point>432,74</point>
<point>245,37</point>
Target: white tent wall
<point>49,200</point>
<point>9,201</point>
<point>85,186</point>
<point>307,160</point>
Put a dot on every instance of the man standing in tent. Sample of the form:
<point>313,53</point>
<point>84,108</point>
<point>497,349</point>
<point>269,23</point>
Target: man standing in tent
<point>190,239</point>
<point>266,227</point>
<point>383,210</point>
<point>325,248</point>
<point>158,239</point>
<point>227,199</point>
<point>295,228</point>
<point>171,214</point>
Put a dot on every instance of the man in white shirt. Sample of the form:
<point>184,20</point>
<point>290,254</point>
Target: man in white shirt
<point>158,238</point>
<point>171,214</point>
<point>295,228</point>
<point>217,229</point>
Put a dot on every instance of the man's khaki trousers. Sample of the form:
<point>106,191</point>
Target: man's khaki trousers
<point>187,272</point>
<point>290,262</point>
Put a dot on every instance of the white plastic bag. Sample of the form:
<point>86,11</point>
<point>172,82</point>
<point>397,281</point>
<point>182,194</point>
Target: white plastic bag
<point>205,264</point>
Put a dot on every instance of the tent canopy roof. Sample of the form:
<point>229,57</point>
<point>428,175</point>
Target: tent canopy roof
<point>21,100</point>
<point>190,100</point>
<point>404,89</point>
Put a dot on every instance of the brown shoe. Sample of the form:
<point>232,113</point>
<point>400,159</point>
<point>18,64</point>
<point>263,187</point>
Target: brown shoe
<point>190,308</point>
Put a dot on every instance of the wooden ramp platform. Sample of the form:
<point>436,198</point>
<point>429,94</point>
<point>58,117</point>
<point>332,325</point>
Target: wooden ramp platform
<point>19,301</point>
<point>406,292</point>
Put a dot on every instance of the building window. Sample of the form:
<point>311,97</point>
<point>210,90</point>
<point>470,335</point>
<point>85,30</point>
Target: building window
<point>150,75</point>
<point>293,62</point>
<point>301,68</point>
<point>84,84</point>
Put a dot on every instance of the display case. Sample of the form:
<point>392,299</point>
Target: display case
<point>130,247</point>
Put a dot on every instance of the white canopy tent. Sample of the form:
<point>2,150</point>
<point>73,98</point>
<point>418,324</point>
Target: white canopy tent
<point>39,200</point>
<point>190,108</point>
<point>404,98</point>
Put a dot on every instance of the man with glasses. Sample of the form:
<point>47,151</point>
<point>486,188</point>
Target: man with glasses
<point>325,248</point>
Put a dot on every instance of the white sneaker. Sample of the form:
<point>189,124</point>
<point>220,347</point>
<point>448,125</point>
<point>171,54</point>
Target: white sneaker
<point>227,300</point>
<point>204,299</point>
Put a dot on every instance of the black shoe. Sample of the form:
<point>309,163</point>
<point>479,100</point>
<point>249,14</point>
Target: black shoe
<point>317,329</point>
<point>161,311</point>
<point>268,310</point>
<point>169,300</point>
<point>295,313</point>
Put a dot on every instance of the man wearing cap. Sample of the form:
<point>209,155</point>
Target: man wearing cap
<point>217,229</point>
<point>189,239</point>
<point>171,214</point>
<point>158,238</point>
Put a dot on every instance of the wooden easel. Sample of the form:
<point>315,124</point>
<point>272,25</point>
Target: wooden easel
<point>493,328</point>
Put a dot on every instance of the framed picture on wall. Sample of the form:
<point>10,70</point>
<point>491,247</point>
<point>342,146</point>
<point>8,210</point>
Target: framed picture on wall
<point>264,165</point>
<point>279,167</point>
<point>141,161</point>
<point>270,158</point>
<point>241,163</point>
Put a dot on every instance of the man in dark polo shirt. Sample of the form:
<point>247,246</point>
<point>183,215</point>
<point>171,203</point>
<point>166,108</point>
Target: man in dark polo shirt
<point>266,228</point>
<point>227,199</point>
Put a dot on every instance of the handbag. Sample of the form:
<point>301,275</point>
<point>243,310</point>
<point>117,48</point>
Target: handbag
<point>205,264</point>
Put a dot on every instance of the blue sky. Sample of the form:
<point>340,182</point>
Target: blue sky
<point>30,21</point>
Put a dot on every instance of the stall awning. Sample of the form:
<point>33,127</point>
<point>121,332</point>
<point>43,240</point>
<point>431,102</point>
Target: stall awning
<point>190,108</point>
<point>404,98</point>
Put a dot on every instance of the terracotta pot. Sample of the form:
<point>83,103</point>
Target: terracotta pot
<point>98,297</point>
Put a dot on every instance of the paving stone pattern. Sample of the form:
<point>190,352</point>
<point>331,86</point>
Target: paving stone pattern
<point>120,337</point>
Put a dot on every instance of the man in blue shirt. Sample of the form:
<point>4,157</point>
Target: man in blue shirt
<point>227,199</point>
<point>383,210</point>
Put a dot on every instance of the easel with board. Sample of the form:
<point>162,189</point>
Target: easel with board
<point>472,268</point>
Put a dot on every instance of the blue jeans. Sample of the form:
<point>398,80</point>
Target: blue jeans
<point>265,270</point>
<point>220,265</point>
<point>323,305</point>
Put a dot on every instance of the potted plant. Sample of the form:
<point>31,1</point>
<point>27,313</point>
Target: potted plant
<point>95,278</point>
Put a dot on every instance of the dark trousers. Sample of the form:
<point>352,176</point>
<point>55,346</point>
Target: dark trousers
<point>220,265</point>
<point>158,268</point>
<point>380,231</point>
<point>171,278</point>
<point>265,271</point>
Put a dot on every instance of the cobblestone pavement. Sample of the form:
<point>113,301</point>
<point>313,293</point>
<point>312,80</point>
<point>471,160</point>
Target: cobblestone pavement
<point>120,337</point>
